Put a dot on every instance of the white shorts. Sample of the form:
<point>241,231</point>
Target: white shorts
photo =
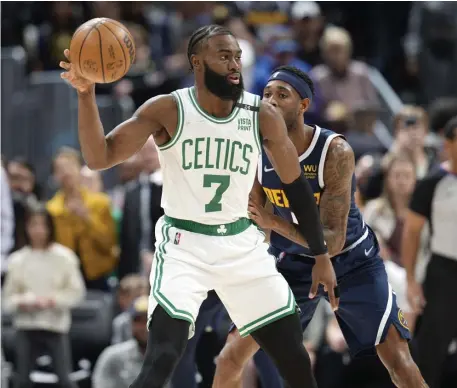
<point>238,267</point>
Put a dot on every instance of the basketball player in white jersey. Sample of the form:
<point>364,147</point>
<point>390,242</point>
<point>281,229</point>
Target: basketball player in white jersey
<point>209,137</point>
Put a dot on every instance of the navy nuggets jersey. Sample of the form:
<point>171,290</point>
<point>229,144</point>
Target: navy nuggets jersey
<point>312,162</point>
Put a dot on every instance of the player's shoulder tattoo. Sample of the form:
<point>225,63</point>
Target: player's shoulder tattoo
<point>340,162</point>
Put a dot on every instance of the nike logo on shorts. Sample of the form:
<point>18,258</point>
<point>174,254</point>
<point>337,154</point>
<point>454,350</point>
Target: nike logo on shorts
<point>368,252</point>
<point>267,169</point>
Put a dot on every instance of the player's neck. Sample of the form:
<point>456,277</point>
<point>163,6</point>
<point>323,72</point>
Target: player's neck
<point>212,104</point>
<point>301,137</point>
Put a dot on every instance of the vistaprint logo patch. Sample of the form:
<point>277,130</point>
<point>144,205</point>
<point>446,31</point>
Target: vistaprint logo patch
<point>244,124</point>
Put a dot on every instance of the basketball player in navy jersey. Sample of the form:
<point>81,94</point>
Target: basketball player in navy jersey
<point>368,313</point>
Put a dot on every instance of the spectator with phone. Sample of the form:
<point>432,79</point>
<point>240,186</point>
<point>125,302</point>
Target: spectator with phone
<point>410,128</point>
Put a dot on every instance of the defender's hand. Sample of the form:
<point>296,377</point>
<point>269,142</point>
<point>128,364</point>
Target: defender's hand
<point>323,273</point>
<point>81,84</point>
<point>259,215</point>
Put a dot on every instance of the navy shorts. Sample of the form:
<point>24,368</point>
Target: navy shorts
<point>368,304</point>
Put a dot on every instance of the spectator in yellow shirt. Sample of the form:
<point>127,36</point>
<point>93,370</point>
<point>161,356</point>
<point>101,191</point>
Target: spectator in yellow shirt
<point>83,220</point>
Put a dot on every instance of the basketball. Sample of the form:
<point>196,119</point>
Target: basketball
<point>102,50</point>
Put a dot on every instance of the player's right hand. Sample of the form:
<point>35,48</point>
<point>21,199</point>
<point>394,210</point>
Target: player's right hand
<point>323,273</point>
<point>415,296</point>
<point>73,77</point>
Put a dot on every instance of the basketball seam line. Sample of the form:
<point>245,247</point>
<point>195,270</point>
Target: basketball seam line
<point>81,49</point>
<point>101,51</point>
<point>120,44</point>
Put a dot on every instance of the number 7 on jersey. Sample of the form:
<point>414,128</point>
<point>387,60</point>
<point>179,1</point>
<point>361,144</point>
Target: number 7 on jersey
<point>224,182</point>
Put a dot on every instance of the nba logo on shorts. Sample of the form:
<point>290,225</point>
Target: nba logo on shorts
<point>177,238</point>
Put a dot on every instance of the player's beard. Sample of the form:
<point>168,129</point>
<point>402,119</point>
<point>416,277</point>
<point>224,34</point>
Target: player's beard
<point>220,86</point>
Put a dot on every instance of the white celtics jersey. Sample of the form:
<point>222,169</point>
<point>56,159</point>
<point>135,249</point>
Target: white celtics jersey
<point>210,163</point>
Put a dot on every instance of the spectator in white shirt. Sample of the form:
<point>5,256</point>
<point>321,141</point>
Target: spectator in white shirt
<point>42,284</point>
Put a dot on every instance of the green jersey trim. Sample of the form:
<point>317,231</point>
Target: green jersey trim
<point>256,125</point>
<point>179,126</point>
<point>161,299</point>
<point>207,116</point>
<point>288,309</point>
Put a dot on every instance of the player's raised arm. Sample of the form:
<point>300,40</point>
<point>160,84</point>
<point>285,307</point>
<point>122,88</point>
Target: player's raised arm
<point>284,158</point>
<point>126,139</point>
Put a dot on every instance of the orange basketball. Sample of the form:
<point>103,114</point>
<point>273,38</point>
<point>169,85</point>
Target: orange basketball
<point>102,50</point>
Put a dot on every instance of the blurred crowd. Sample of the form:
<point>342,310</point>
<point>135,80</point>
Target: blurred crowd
<point>75,259</point>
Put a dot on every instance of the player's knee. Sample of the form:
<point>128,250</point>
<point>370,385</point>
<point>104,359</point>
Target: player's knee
<point>228,365</point>
<point>395,355</point>
<point>402,369</point>
<point>231,361</point>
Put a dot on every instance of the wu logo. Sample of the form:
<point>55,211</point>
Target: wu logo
<point>310,168</point>
<point>222,229</point>
<point>244,124</point>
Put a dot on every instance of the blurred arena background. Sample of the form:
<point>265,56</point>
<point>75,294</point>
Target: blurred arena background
<point>374,65</point>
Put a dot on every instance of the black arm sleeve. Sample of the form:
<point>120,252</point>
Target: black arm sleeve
<point>303,204</point>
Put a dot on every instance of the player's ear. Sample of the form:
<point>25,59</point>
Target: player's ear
<point>305,103</point>
<point>196,62</point>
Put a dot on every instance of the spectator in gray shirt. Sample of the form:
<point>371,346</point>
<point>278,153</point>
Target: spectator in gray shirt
<point>130,288</point>
<point>341,80</point>
<point>120,364</point>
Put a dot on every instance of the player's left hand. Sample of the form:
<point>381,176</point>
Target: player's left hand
<point>73,77</point>
<point>259,215</point>
<point>324,273</point>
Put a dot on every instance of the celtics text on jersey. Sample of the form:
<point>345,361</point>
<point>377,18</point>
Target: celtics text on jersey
<point>210,163</point>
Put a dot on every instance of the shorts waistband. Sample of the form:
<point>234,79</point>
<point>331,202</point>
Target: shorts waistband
<point>229,229</point>
<point>349,247</point>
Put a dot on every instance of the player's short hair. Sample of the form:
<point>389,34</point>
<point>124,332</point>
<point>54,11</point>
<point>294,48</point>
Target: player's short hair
<point>299,73</point>
<point>199,38</point>
<point>441,111</point>
<point>450,129</point>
